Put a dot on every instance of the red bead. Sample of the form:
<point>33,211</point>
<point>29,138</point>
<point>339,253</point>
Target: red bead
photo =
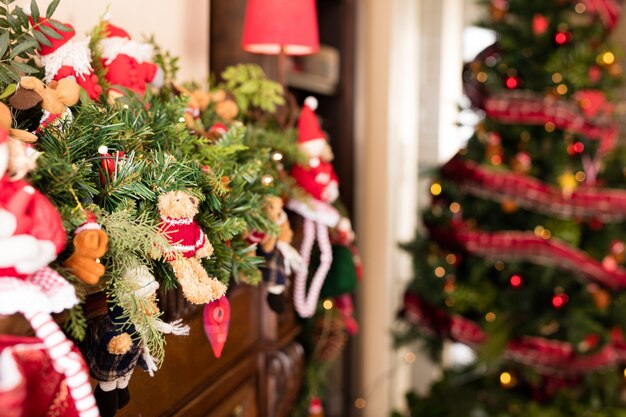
<point>561,38</point>
<point>512,83</point>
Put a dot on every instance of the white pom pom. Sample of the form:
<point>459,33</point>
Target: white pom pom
<point>103,150</point>
<point>311,102</point>
<point>27,10</point>
<point>107,17</point>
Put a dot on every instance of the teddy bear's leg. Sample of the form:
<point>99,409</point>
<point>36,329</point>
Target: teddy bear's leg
<point>193,280</point>
<point>218,287</point>
<point>107,398</point>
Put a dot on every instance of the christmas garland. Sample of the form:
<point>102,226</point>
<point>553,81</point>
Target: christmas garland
<point>607,205</point>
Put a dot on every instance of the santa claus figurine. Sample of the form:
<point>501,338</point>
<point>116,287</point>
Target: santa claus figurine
<point>66,57</point>
<point>31,236</point>
<point>128,62</point>
<point>318,177</point>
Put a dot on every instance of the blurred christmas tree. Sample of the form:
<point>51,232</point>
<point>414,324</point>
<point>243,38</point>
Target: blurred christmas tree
<point>524,258</point>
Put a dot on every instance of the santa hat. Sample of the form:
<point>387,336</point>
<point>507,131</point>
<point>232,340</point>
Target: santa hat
<point>90,224</point>
<point>56,43</point>
<point>112,31</point>
<point>308,126</point>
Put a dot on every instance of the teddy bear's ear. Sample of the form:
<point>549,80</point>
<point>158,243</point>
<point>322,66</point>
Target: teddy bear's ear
<point>68,91</point>
<point>25,99</point>
<point>32,83</point>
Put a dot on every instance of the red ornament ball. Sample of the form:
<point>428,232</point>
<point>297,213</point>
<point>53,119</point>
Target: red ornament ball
<point>512,83</point>
<point>559,300</point>
<point>516,281</point>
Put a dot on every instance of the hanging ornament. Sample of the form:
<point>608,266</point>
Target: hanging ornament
<point>601,297</point>
<point>315,407</point>
<point>513,82</point>
<point>516,281</point>
<point>509,206</point>
<point>594,73</point>
<point>562,37</point>
<point>559,299</point>
<point>499,9</point>
<point>109,164</point>
<point>618,250</point>
<point>575,148</point>
<point>522,163</point>
<point>567,182</point>
<point>589,342</point>
<point>216,322</point>
<point>540,24</point>
<point>494,151</point>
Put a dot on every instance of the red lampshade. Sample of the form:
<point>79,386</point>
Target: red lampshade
<point>275,25</point>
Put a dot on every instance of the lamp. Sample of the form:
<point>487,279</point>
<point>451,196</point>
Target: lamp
<point>280,27</point>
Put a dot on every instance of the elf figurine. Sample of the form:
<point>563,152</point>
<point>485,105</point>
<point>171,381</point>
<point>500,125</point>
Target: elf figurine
<point>318,178</point>
<point>128,63</point>
<point>66,57</point>
<point>31,236</point>
<point>113,346</point>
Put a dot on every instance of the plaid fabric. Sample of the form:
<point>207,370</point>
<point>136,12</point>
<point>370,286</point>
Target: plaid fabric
<point>104,366</point>
<point>274,269</point>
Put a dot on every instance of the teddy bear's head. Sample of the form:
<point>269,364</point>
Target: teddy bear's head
<point>273,208</point>
<point>54,98</point>
<point>178,205</point>
<point>225,105</point>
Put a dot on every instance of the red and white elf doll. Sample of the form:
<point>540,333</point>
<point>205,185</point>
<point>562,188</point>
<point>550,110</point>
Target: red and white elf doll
<point>319,179</point>
<point>31,236</point>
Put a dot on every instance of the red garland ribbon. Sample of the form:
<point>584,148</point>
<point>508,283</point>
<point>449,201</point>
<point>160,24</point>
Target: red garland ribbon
<point>529,108</point>
<point>527,246</point>
<point>608,10</point>
<point>551,357</point>
<point>530,193</point>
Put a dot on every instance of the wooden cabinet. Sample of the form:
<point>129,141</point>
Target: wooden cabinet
<point>258,375</point>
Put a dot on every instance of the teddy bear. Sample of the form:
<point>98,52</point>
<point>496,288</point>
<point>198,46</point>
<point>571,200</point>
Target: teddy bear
<point>280,257</point>
<point>197,101</point>
<point>188,245</point>
<point>6,123</point>
<point>225,105</point>
<point>55,100</point>
<point>90,244</point>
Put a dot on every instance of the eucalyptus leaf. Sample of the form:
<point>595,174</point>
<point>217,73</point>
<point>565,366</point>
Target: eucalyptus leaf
<point>4,23</point>
<point>34,10</point>
<point>51,8</point>
<point>4,43</point>
<point>21,16</point>
<point>50,32</point>
<point>60,26</point>
<point>20,66</point>
<point>4,75</point>
<point>41,38</point>
<point>23,47</point>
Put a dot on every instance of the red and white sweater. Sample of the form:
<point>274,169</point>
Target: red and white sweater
<point>184,235</point>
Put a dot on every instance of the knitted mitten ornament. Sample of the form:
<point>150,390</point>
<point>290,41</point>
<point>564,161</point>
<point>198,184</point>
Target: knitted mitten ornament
<point>318,178</point>
<point>90,244</point>
<point>65,57</point>
<point>31,236</point>
<point>188,244</point>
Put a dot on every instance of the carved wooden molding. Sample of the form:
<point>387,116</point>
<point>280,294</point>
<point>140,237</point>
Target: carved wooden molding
<point>285,371</point>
